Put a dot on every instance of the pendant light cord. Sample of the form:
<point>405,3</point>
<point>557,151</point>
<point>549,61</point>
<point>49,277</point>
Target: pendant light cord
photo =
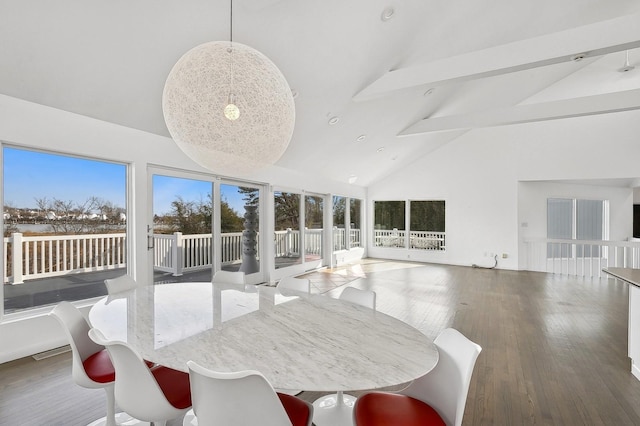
<point>231,52</point>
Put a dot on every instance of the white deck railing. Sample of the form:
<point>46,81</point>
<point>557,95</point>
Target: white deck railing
<point>584,258</point>
<point>46,256</point>
<point>420,240</point>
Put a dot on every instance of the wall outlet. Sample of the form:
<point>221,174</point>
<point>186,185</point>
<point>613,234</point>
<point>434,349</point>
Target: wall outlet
<point>505,255</point>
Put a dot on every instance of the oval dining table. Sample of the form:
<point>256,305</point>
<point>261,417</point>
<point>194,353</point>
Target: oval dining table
<point>297,340</point>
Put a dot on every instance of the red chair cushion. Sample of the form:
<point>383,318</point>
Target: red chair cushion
<point>296,409</point>
<point>174,385</point>
<point>388,409</point>
<point>99,368</point>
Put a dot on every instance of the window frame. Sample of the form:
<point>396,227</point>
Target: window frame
<point>130,244</point>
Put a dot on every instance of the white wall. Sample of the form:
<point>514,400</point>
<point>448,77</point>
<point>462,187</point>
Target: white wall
<point>477,180</point>
<point>478,176</point>
<point>29,125</point>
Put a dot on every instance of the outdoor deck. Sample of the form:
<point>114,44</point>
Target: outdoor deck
<point>73,287</point>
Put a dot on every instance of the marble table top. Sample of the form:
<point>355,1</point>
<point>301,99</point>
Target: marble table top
<point>298,341</point>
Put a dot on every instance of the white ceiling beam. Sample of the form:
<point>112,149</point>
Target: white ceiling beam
<point>589,40</point>
<point>566,108</point>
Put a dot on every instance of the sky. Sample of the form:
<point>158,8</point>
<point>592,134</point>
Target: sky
<point>167,188</point>
<point>31,175</point>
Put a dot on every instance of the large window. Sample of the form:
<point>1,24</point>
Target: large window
<point>64,227</point>
<point>574,219</point>
<point>426,224</point>
<point>389,223</point>
<point>427,230</point>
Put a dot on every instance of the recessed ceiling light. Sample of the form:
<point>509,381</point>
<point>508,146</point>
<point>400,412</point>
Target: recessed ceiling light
<point>353,178</point>
<point>361,138</point>
<point>578,57</point>
<point>394,158</point>
<point>428,92</point>
<point>387,14</point>
<point>333,120</point>
<point>380,149</point>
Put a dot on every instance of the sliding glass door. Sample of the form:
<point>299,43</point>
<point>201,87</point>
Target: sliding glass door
<point>182,229</point>
<point>201,224</point>
<point>314,231</point>
<point>240,229</point>
<point>287,229</point>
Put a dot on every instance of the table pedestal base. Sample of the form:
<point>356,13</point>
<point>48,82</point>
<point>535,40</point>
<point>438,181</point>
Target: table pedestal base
<point>122,419</point>
<point>334,410</point>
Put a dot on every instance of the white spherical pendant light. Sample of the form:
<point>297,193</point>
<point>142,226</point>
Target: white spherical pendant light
<point>228,107</point>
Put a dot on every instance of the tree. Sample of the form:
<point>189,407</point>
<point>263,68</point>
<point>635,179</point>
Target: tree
<point>428,216</point>
<point>389,214</point>
<point>287,210</point>
<point>251,195</point>
<point>339,208</point>
<point>194,217</point>
<point>191,217</point>
<point>355,213</point>
<point>313,212</point>
<point>69,217</point>
<point>9,222</point>
<point>230,221</point>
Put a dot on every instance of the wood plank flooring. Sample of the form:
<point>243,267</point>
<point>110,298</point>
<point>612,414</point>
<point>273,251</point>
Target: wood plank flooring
<point>554,347</point>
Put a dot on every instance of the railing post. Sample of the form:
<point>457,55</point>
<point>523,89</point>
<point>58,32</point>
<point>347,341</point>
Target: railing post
<point>177,254</point>
<point>287,242</point>
<point>16,258</point>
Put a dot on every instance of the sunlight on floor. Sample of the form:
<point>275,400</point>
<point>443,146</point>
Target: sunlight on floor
<point>328,279</point>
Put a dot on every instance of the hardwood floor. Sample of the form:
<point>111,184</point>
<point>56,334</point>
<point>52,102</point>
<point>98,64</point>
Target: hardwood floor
<point>554,347</point>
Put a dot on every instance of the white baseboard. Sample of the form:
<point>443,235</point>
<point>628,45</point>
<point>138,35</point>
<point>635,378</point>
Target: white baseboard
<point>635,370</point>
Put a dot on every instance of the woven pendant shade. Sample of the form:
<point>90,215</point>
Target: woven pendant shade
<point>198,90</point>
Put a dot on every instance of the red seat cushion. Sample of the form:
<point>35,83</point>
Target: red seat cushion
<point>296,409</point>
<point>99,368</point>
<point>174,385</point>
<point>388,409</point>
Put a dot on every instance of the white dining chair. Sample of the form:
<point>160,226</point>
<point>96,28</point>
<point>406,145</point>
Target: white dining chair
<point>337,408</point>
<point>438,397</point>
<point>229,277</point>
<point>302,285</point>
<point>243,398</point>
<point>358,296</point>
<point>153,395</point>
<point>119,284</point>
<point>91,366</point>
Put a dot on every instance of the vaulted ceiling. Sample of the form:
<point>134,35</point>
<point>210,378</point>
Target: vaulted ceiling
<point>402,77</point>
